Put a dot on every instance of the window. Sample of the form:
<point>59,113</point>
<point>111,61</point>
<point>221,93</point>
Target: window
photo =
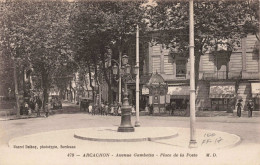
<point>180,68</point>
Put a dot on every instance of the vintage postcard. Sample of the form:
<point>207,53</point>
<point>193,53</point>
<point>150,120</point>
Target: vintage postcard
<point>143,82</point>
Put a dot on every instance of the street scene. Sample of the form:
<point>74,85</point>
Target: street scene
<point>129,82</point>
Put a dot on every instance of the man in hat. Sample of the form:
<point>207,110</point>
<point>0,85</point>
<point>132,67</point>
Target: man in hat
<point>239,105</point>
<point>250,106</point>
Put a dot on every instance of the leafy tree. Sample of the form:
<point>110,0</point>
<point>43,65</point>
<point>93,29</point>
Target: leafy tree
<point>101,27</point>
<point>37,33</point>
<point>215,23</point>
<point>251,14</point>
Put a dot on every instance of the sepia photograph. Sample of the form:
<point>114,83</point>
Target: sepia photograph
<point>129,82</point>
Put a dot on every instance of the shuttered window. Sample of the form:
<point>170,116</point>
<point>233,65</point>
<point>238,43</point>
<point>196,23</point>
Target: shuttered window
<point>168,65</point>
<point>181,68</point>
<point>156,64</point>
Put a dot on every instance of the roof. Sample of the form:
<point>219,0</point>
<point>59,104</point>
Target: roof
<point>156,79</point>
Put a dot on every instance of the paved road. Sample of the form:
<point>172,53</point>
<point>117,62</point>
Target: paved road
<point>71,118</point>
<point>247,128</point>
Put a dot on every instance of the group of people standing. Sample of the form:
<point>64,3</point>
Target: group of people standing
<point>107,109</point>
<point>33,105</point>
<point>250,107</point>
<point>104,109</point>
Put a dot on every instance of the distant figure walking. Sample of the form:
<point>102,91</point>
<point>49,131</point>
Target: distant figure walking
<point>32,105</point>
<point>151,109</point>
<point>173,107</point>
<point>133,110</point>
<point>119,109</point>
<point>239,105</point>
<point>106,109</point>
<point>250,106</point>
<point>38,105</point>
<point>102,109</point>
<point>90,108</point>
<point>112,110</point>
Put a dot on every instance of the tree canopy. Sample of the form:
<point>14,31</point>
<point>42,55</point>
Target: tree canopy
<point>85,34</point>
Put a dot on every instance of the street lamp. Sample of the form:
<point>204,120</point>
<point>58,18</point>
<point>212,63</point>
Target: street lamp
<point>193,142</point>
<point>125,73</point>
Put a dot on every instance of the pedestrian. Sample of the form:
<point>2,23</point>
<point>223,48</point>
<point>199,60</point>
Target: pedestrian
<point>239,105</point>
<point>250,106</point>
<point>168,108</point>
<point>46,110</point>
<point>151,109</point>
<point>39,105</point>
<point>119,109</point>
<point>102,109</point>
<point>26,108</point>
<point>106,109</point>
<point>146,109</point>
<point>32,105</point>
<point>90,108</point>
<point>173,107</point>
<point>133,109</point>
<point>94,110</point>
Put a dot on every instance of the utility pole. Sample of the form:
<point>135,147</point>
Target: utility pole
<point>193,143</point>
<point>137,122</point>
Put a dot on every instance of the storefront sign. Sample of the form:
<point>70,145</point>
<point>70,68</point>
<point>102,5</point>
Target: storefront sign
<point>255,87</point>
<point>179,90</point>
<point>145,91</point>
<point>222,91</point>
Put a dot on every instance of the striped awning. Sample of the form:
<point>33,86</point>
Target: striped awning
<point>222,91</point>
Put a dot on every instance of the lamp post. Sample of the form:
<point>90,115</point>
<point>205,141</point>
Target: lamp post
<point>125,74</point>
<point>193,143</point>
<point>137,122</point>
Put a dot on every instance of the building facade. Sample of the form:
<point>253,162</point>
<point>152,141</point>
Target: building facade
<point>223,78</point>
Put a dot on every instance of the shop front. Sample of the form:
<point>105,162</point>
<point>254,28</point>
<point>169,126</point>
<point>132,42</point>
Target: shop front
<point>255,89</point>
<point>180,95</point>
<point>144,100</point>
<point>222,96</point>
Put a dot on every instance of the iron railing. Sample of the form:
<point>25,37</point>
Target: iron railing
<point>221,75</point>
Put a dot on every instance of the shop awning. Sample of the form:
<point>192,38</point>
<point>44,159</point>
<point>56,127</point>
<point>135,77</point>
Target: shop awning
<point>179,91</point>
<point>255,88</point>
<point>223,90</point>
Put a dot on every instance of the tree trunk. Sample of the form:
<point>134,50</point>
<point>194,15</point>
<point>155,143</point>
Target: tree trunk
<point>16,90</point>
<point>106,74</point>
<point>91,85</point>
<point>45,88</point>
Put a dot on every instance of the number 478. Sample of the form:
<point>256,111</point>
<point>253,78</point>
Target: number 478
<point>70,155</point>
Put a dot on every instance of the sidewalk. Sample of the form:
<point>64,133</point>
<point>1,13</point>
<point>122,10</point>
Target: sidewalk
<point>70,108</point>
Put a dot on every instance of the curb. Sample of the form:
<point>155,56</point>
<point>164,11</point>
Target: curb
<point>126,140</point>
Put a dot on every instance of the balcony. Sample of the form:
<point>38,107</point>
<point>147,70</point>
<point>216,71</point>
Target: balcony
<point>250,75</point>
<point>220,75</point>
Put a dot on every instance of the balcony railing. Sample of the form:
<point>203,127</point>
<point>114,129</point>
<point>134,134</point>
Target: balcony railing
<point>250,75</point>
<point>221,75</point>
